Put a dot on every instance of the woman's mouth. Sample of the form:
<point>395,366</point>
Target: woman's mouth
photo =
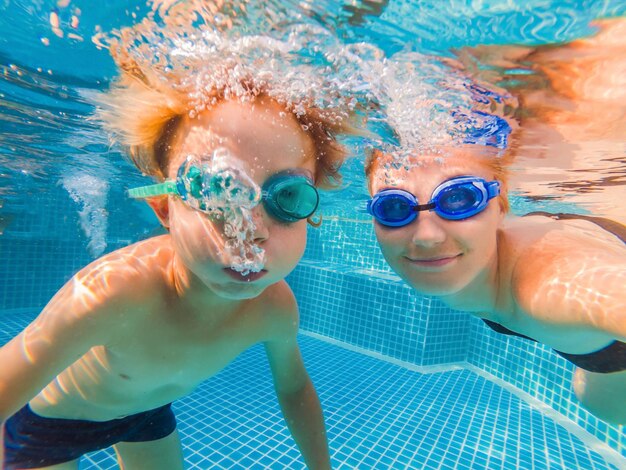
<point>433,262</point>
<point>249,277</point>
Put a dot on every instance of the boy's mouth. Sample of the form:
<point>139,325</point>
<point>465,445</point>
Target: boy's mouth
<point>250,277</point>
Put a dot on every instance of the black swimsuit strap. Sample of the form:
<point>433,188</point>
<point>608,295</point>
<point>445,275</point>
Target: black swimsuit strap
<point>606,360</point>
<point>611,226</point>
<point>504,330</point>
<point>611,358</point>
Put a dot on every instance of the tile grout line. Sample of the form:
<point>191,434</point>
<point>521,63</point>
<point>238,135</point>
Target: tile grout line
<point>610,455</point>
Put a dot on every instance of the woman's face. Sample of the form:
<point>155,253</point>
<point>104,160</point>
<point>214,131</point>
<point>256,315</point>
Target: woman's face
<point>433,255</point>
<point>266,140</point>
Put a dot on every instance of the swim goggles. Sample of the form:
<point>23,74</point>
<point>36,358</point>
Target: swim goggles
<point>288,196</point>
<point>483,129</point>
<point>455,199</point>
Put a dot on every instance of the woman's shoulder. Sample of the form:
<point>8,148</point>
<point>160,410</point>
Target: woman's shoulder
<point>538,249</point>
<point>562,232</point>
<point>556,264</point>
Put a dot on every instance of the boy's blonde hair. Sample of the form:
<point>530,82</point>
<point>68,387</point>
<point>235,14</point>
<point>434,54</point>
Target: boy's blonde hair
<point>143,113</point>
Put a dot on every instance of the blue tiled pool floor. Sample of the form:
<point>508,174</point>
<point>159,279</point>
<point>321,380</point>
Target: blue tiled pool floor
<point>379,416</point>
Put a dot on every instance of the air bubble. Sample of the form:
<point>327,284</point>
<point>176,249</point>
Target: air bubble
<point>206,50</point>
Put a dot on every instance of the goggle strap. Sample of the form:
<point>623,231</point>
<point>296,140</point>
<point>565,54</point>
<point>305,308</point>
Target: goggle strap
<point>153,190</point>
<point>425,207</point>
<point>493,189</point>
<point>367,207</point>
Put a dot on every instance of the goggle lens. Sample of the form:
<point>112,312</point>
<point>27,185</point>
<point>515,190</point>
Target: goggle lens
<point>457,200</point>
<point>290,197</point>
<point>298,199</point>
<point>192,181</point>
<point>394,208</point>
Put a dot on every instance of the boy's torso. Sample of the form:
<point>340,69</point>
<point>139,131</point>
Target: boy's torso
<point>161,350</point>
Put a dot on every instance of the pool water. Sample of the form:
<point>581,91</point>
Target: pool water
<point>404,381</point>
<point>379,414</point>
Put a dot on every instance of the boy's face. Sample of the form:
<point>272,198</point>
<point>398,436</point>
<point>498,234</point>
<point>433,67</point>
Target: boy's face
<point>267,140</point>
<point>434,255</point>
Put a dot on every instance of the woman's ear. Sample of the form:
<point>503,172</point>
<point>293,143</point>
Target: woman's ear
<point>502,210</point>
<point>160,206</point>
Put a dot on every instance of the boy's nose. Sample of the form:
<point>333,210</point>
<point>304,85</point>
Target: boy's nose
<point>428,230</point>
<point>261,230</point>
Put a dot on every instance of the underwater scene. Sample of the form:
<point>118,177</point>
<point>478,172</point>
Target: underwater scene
<point>348,234</point>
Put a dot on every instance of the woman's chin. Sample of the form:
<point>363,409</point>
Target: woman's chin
<point>433,287</point>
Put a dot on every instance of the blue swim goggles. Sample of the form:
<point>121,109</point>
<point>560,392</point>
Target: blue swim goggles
<point>288,196</point>
<point>455,199</point>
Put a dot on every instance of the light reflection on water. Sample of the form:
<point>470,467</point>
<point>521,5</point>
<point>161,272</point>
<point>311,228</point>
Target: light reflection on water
<point>46,80</point>
<point>571,156</point>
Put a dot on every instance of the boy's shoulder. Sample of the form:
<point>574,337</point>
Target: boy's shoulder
<point>279,306</point>
<point>128,269</point>
<point>278,298</point>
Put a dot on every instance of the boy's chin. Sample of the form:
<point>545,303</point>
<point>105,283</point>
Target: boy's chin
<point>238,291</point>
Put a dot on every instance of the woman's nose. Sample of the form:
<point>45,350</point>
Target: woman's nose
<point>428,230</point>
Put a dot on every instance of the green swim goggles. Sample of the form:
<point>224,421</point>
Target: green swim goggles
<point>288,196</point>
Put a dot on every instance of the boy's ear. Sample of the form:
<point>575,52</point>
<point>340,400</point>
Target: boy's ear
<point>160,206</point>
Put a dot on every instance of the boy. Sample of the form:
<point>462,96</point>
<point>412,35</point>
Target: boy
<point>143,326</point>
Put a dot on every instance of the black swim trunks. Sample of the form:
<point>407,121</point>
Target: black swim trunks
<point>32,441</point>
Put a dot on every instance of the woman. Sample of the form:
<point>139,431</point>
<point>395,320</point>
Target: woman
<point>441,221</point>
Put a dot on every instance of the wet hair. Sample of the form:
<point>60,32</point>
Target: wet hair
<point>497,165</point>
<point>143,113</point>
<point>490,141</point>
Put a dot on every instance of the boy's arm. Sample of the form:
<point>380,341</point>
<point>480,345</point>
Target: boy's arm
<point>296,394</point>
<point>66,329</point>
<point>32,359</point>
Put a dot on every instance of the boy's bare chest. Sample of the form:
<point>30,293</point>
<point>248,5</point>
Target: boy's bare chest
<point>160,358</point>
<point>166,350</point>
<point>149,363</point>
